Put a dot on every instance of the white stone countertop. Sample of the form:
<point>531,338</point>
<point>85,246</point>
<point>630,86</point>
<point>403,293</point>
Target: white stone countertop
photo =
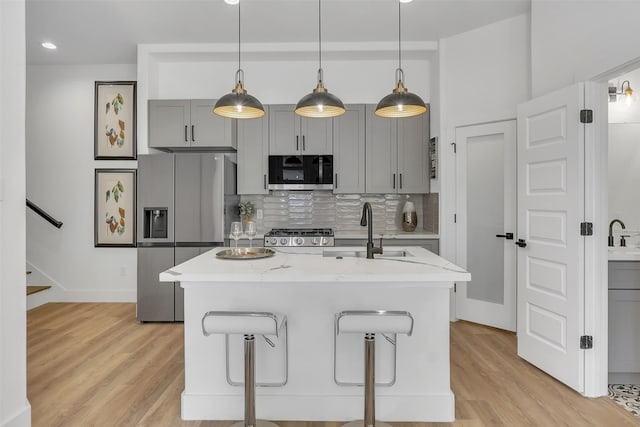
<point>397,235</point>
<point>308,265</point>
<point>619,253</point>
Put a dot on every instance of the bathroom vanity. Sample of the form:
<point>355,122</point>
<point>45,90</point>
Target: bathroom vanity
<point>624,315</point>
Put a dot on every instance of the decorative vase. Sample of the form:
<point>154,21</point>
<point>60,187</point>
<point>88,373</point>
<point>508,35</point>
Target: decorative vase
<point>409,217</point>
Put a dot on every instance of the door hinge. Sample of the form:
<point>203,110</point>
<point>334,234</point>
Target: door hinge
<point>454,147</point>
<point>586,342</point>
<point>586,116</point>
<point>586,229</point>
<point>455,218</point>
<point>455,287</point>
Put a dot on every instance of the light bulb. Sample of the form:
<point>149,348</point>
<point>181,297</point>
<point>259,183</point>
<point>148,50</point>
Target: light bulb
<point>320,108</point>
<point>239,108</point>
<point>400,107</point>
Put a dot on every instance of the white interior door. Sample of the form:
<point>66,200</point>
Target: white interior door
<point>486,220</point>
<point>550,209</point>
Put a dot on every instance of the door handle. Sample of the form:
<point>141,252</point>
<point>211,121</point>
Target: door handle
<point>264,181</point>
<point>394,181</point>
<point>304,146</point>
<point>401,181</point>
<point>186,138</point>
<point>193,133</point>
<point>508,236</point>
<point>522,243</point>
<point>336,183</point>
<point>297,143</point>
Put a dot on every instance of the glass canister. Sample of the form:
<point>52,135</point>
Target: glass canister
<point>409,217</point>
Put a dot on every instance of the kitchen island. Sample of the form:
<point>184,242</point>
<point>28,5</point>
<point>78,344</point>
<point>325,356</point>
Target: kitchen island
<point>310,286</point>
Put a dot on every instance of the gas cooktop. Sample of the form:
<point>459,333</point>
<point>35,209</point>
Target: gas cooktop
<point>299,237</point>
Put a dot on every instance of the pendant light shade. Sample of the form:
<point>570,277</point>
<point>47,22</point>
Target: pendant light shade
<point>239,104</point>
<point>401,102</point>
<point>320,103</point>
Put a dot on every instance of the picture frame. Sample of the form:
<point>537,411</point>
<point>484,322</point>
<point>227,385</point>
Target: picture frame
<point>115,207</point>
<point>115,126</point>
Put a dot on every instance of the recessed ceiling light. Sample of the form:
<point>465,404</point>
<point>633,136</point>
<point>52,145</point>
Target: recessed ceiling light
<point>49,45</point>
<point>405,1</point>
<point>232,1</point>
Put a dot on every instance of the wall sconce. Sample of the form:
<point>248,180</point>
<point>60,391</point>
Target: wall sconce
<point>627,93</point>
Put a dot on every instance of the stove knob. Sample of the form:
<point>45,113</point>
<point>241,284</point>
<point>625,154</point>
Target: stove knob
<point>284,241</point>
<point>315,241</point>
<point>272,241</point>
<point>298,241</point>
<point>324,241</point>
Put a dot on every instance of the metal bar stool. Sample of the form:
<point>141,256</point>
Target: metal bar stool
<point>249,324</point>
<point>369,323</point>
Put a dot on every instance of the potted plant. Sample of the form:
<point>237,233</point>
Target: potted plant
<point>246,209</point>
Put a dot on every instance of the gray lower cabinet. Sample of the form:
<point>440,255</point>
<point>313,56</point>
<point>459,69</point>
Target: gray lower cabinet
<point>624,321</point>
<point>176,124</point>
<point>432,245</point>
<point>155,298</point>
<point>348,150</point>
<point>253,155</point>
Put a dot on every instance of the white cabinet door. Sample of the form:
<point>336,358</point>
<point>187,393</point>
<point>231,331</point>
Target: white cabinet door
<point>169,123</point>
<point>381,153</point>
<point>253,156</point>
<point>486,212</point>
<point>348,150</point>
<point>413,154</point>
<point>551,205</point>
<point>209,129</point>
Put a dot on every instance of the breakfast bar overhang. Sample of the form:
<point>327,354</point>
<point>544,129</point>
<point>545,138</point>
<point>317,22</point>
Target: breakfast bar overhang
<point>317,380</point>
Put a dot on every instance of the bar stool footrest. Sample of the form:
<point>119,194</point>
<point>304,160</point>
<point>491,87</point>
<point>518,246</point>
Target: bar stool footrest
<point>360,423</point>
<point>259,423</point>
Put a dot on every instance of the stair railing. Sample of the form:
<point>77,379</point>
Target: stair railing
<point>43,214</point>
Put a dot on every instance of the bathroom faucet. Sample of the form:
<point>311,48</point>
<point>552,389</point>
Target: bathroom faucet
<point>367,219</point>
<point>611,231</point>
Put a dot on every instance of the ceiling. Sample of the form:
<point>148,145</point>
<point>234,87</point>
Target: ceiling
<point>107,31</point>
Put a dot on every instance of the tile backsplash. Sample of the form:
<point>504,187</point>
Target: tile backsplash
<point>342,212</point>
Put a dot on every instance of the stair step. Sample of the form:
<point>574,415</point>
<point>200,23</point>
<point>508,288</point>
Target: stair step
<point>33,289</point>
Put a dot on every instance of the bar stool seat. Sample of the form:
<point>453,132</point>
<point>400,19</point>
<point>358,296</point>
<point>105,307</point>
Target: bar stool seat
<point>249,324</point>
<point>369,323</point>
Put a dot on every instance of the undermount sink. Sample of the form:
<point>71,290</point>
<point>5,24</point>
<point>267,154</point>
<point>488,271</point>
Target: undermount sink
<point>363,254</point>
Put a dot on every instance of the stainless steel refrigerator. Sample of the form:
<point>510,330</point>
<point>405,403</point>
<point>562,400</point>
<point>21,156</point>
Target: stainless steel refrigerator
<point>186,202</point>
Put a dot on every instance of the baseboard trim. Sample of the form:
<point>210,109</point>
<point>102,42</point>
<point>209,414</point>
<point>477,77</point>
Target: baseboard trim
<point>21,419</point>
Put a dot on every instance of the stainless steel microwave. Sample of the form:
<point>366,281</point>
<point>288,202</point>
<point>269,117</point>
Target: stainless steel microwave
<point>307,172</point>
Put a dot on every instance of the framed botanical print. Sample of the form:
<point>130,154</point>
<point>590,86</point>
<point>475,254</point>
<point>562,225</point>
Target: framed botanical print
<point>115,205</point>
<point>115,121</point>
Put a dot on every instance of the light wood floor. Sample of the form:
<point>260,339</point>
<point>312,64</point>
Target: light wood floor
<point>95,365</point>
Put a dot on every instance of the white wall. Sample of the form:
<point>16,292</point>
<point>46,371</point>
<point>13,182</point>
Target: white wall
<point>60,179</point>
<point>573,41</point>
<point>484,74</point>
<point>15,410</point>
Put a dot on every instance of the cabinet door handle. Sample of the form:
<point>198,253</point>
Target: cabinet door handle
<point>297,143</point>
<point>336,183</point>
<point>193,133</point>
<point>394,181</point>
<point>186,138</point>
<point>400,180</point>
<point>304,147</point>
<point>264,181</point>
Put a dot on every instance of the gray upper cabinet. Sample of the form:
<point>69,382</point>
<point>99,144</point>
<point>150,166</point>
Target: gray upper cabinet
<point>348,150</point>
<point>181,124</point>
<point>253,155</point>
<point>290,134</point>
<point>397,155</point>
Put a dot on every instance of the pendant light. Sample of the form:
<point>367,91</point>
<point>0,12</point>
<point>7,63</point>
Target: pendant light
<point>401,102</point>
<point>239,104</point>
<point>320,103</point>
